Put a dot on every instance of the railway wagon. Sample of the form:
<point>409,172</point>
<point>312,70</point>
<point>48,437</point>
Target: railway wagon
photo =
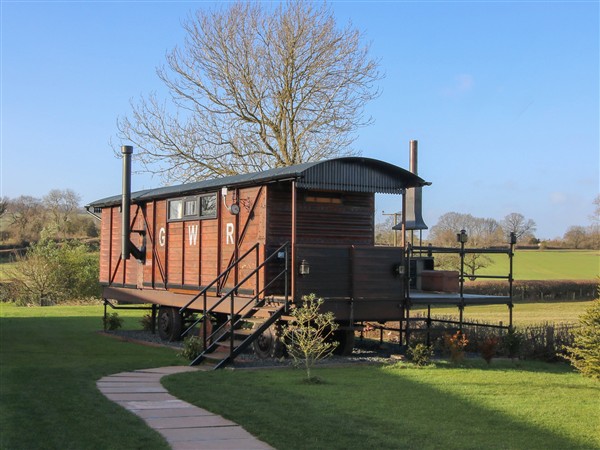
<point>244,249</point>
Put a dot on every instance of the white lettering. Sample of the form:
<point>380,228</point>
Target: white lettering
<point>229,233</point>
<point>162,234</point>
<point>193,232</point>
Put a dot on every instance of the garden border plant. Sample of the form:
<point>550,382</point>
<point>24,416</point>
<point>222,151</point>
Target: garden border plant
<point>308,336</point>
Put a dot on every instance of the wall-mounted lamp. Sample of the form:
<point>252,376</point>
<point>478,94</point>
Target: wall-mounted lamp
<point>304,267</point>
<point>234,208</point>
<point>398,269</point>
<point>462,237</point>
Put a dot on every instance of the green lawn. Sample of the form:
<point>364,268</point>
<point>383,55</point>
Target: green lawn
<point>508,405</point>
<point>548,265</point>
<point>50,360</point>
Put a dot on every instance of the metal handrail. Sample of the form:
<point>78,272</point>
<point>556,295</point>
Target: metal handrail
<point>462,251</point>
<point>268,285</point>
<point>230,294</point>
<point>221,275</point>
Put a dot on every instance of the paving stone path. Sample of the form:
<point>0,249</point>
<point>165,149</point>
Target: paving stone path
<point>183,425</point>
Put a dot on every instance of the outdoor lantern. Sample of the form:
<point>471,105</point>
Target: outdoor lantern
<point>304,268</point>
<point>462,237</point>
<point>513,238</point>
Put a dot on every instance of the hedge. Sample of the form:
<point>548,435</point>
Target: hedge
<point>537,290</point>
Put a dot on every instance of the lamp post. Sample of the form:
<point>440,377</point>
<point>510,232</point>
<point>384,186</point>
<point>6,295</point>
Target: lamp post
<point>462,238</point>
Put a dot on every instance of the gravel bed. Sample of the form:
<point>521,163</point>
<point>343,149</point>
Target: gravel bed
<point>365,352</point>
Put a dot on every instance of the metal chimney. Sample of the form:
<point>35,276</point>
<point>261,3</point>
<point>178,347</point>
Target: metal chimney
<point>127,151</point>
<point>414,209</point>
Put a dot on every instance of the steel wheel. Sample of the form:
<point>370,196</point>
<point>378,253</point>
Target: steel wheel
<point>345,340</point>
<point>170,323</point>
<point>268,345</point>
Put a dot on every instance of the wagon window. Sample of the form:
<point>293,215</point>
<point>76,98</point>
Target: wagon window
<point>208,206</point>
<point>175,209</point>
<point>190,207</point>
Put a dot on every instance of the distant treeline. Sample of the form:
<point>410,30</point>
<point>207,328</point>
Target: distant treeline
<point>58,215</point>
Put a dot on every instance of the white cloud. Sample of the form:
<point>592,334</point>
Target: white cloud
<point>558,198</point>
<point>462,84</point>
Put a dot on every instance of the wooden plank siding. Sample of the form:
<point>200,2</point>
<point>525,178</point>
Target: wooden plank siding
<point>349,222</point>
<point>184,254</point>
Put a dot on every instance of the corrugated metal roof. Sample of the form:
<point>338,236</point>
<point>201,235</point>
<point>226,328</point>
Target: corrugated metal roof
<point>351,174</point>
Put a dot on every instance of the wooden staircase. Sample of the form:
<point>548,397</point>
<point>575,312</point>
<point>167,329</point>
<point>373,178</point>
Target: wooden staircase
<point>248,319</point>
<point>226,344</point>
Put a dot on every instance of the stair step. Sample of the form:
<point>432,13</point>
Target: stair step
<point>243,332</point>
<point>225,343</point>
<point>264,312</point>
<point>255,320</point>
<point>216,356</point>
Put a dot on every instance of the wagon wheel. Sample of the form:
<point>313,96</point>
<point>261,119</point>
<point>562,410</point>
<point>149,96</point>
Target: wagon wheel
<point>345,340</point>
<point>268,344</point>
<point>211,326</point>
<point>170,323</point>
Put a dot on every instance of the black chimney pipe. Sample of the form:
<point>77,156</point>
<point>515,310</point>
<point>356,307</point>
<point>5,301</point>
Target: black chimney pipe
<point>127,151</point>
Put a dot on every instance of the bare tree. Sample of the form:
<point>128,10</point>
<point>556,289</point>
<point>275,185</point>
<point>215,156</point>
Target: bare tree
<point>254,88</point>
<point>576,236</point>
<point>26,215</point>
<point>62,206</point>
<point>516,223</point>
<point>3,205</point>
<point>481,232</point>
<point>384,234</point>
<point>595,217</point>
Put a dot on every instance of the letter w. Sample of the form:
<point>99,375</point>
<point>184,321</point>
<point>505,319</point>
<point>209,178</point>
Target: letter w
<point>193,233</point>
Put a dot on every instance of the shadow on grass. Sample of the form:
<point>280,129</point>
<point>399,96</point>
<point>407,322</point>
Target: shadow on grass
<point>360,407</point>
<point>48,395</point>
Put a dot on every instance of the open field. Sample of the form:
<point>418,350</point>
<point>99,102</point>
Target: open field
<point>548,265</point>
<point>524,313</point>
<point>51,358</point>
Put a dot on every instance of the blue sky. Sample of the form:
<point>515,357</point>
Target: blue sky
<point>503,98</point>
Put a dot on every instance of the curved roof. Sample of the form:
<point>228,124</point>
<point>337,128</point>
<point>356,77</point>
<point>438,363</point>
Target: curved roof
<point>350,174</point>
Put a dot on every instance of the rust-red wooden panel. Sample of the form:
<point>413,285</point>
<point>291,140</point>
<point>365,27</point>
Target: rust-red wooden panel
<point>175,253</point>
<point>191,256</point>
<point>160,235</point>
<point>105,245</point>
<point>208,252</point>
<point>133,268</point>
<point>116,266</point>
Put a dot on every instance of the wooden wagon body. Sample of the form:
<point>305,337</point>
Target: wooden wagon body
<point>191,233</point>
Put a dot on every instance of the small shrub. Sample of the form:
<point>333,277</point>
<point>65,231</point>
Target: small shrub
<point>146,322</point>
<point>8,292</point>
<point>512,343</point>
<point>456,344</point>
<point>307,338</point>
<point>488,348</point>
<point>584,353</point>
<point>546,341</point>
<point>50,273</point>
<point>192,347</point>
<point>112,321</point>
<point>420,354</point>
